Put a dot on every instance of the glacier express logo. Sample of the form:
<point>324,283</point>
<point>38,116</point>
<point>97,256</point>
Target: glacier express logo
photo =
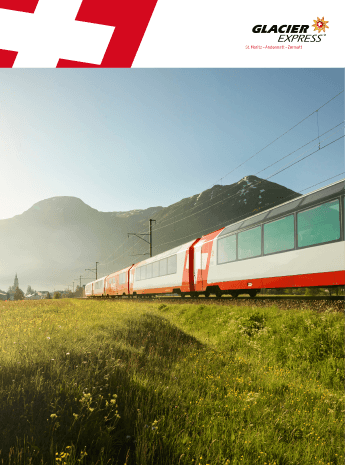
<point>294,32</point>
<point>320,24</point>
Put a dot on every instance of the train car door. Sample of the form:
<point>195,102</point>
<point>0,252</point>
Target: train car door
<point>130,279</point>
<point>199,266</point>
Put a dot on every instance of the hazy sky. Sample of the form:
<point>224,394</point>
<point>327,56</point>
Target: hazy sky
<point>123,139</point>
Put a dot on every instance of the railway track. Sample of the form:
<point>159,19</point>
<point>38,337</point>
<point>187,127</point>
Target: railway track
<point>318,303</point>
<point>228,298</point>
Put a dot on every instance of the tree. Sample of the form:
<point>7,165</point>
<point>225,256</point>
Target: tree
<point>48,296</point>
<point>18,295</point>
<point>79,292</point>
<point>29,290</point>
<point>57,295</point>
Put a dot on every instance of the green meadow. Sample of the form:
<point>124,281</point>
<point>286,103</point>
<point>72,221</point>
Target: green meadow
<point>138,383</point>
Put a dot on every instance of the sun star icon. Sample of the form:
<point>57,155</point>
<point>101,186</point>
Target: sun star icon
<point>320,24</point>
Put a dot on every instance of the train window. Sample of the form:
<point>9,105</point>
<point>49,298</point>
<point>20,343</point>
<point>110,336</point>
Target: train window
<point>227,249</point>
<point>172,264</point>
<point>149,271</point>
<point>279,235</point>
<point>249,243</point>
<point>319,224</point>
<point>155,269</point>
<point>143,272</point>
<point>137,274</point>
<point>163,265</point>
<point>122,278</point>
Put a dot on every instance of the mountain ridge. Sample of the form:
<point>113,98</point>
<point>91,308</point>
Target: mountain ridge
<point>57,238</point>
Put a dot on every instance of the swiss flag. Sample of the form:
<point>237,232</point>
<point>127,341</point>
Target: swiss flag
<point>130,19</point>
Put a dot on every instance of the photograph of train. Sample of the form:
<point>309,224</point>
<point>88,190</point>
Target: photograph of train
<point>205,210</point>
<point>299,243</point>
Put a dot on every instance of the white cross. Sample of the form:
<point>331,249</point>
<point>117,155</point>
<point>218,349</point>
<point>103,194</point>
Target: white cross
<point>50,33</point>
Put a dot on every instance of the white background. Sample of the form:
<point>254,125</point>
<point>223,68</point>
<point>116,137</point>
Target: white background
<point>200,33</point>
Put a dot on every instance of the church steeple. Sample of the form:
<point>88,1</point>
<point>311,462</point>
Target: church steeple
<point>16,282</point>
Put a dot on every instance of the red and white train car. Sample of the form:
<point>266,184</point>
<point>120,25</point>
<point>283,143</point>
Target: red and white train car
<point>299,243</point>
<point>117,284</point>
<point>165,273</point>
<point>95,288</point>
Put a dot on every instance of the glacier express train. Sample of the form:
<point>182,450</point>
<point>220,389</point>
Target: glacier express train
<point>299,243</point>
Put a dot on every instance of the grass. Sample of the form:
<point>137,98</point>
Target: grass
<point>126,382</point>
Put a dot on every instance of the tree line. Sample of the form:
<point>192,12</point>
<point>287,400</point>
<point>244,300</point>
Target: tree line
<point>19,294</point>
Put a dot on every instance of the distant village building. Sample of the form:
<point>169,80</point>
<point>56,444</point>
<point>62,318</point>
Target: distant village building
<point>32,297</point>
<point>3,295</point>
<point>37,296</point>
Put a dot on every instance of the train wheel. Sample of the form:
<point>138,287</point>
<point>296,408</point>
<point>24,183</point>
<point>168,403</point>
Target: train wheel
<point>219,294</point>
<point>234,294</point>
<point>207,294</point>
<point>252,293</point>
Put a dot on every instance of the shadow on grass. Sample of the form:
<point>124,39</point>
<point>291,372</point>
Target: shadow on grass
<point>47,406</point>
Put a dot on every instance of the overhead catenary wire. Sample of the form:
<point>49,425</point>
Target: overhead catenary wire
<point>228,198</point>
<point>285,156</point>
<point>291,153</point>
<point>253,184</point>
<point>123,243</point>
<point>293,127</point>
<point>239,218</point>
<point>225,222</point>
<point>221,179</point>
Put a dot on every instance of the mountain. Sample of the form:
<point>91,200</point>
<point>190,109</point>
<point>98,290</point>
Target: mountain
<point>52,243</point>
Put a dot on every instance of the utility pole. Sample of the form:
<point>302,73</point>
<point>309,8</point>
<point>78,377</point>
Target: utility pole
<point>80,278</point>
<point>149,242</point>
<point>93,269</point>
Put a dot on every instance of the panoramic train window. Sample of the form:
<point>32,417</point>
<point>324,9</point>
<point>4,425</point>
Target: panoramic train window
<point>172,264</point>
<point>155,269</point>
<point>137,274</point>
<point>149,271</point>
<point>249,243</point>
<point>279,235</point>
<point>163,267</point>
<point>319,224</point>
<point>143,272</point>
<point>227,249</point>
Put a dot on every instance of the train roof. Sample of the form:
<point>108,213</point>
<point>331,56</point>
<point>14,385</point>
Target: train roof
<point>95,281</point>
<point>123,270</point>
<point>173,251</point>
<point>304,201</point>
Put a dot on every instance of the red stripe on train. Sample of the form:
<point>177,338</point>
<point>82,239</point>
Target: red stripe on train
<point>334,278</point>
